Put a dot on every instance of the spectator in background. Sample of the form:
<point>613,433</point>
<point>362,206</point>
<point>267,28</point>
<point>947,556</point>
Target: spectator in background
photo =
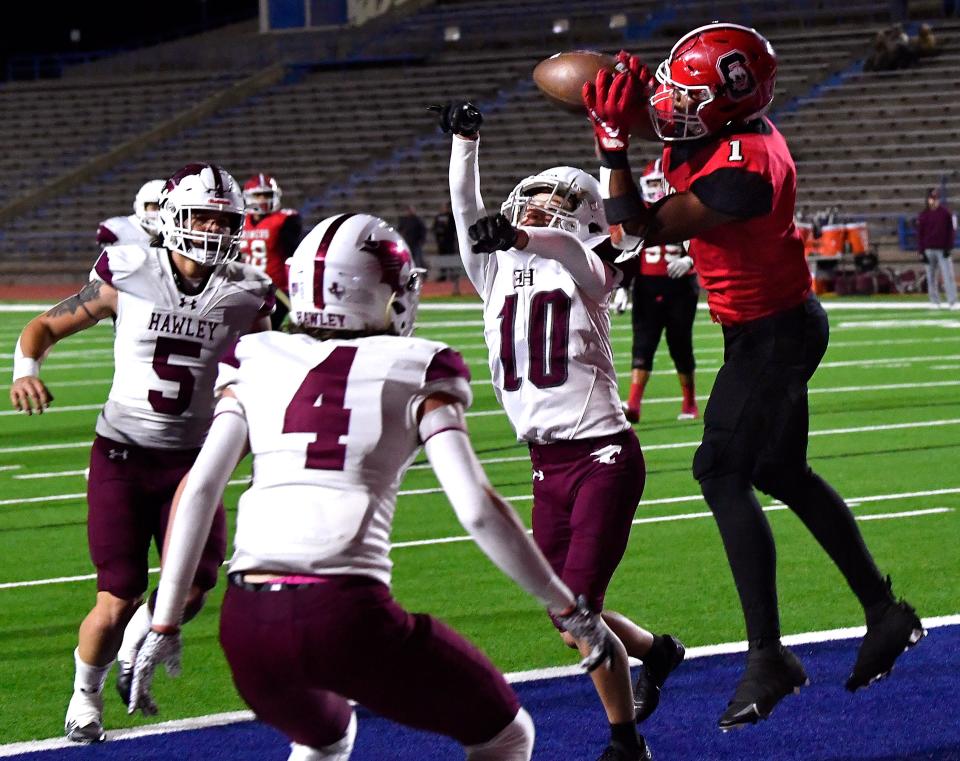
<point>935,236</point>
<point>414,232</point>
<point>445,231</point>
<point>925,44</point>
<point>891,50</point>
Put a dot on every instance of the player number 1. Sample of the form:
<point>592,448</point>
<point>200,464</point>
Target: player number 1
<point>735,154</point>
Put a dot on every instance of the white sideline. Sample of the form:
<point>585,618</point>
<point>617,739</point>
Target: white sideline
<point>518,677</point>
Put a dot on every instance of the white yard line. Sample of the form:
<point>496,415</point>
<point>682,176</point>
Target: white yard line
<point>775,507</point>
<point>517,677</point>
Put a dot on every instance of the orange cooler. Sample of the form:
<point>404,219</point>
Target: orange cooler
<point>831,240</point>
<point>857,237</point>
<point>806,235</point>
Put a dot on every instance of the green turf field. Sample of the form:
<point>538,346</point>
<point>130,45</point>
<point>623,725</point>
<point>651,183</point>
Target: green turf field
<point>885,423</point>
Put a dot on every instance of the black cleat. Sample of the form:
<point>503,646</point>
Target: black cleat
<point>88,734</point>
<point>124,681</point>
<point>665,655</point>
<point>772,673</point>
<point>619,752</point>
<point>894,632</point>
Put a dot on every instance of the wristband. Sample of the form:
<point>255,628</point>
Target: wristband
<point>624,208</point>
<point>24,366</point>
<point>612,159</point>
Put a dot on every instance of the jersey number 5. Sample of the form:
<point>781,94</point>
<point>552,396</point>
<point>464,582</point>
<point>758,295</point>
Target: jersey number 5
<point>546,343</point>
<point>317,407</point>
<point>180,374</point>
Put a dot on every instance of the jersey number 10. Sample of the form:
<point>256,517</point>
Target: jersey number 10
<point>549,333</point>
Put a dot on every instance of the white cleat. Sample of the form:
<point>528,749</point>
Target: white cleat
<point>84,720</point>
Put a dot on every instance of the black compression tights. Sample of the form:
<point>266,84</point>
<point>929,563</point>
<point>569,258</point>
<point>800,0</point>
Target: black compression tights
<point>751,552</point>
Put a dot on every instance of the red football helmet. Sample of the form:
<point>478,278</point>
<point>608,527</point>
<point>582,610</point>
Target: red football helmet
<point>261,184</point>
<point>714,75</point>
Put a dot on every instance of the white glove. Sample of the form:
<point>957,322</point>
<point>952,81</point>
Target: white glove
<point>679,267</point>
<point>156,649</point>
<point>586,626</point>
<point>621,300</point>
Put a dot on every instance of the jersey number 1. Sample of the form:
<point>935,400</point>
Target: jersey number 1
<point>735,154</point>
<point>329,420</point>
<point>546,344</point>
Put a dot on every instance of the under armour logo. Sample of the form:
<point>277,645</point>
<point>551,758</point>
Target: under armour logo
<point>608,454</point>
<point>118,454</point>
<point>538,475</point>
<point>183,302</point>
<point>336,290</point>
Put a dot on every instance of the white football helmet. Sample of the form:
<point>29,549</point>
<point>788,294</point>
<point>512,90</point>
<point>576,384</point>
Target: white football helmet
<point>262,184</point>
<point>354,273</point>
<point>574,203</point>
<point>651,182</point>
<point>201,188</point>
<point>148,193</point>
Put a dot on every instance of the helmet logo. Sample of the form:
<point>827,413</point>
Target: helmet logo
<point>737,79</point>
<point>336,290</point>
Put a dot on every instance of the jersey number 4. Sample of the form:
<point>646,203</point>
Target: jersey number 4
<point>546,342</point>
<point>317,407</point>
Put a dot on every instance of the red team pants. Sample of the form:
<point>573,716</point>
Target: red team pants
<point>585,494</point>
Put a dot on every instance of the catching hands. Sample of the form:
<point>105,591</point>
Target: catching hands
<point>588,628</point>
<point>493,233</point>
<point>459,117</point>
<point>677,268</point>
<point>621,300</point>
<point>29,394</point>
<point>156,649</point>
<point>616,103</point>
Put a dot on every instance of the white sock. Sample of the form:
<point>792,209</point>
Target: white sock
<point>136,631</point>
<point>89,679</point>
<point>338,751</point>
<point>513,743</point>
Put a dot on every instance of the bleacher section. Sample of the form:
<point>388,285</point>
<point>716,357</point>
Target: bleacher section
<point>358,136</point>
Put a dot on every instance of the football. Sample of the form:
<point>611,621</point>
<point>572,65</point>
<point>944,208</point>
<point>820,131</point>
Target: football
<point>561,76</point>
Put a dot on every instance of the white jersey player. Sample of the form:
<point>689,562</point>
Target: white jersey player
<point>545,290</point>
<point>334,415</point>
<point>139,228</point>
<point>176,309</point>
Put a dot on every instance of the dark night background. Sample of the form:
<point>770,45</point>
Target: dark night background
<point>40,27</point>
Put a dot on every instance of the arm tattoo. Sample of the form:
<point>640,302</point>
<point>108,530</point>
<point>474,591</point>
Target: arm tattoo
<point>89,292</point>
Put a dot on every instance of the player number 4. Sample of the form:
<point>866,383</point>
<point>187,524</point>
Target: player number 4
<point>735,154</point>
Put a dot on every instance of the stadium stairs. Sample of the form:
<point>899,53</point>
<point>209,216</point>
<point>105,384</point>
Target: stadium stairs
<point>356,135</point>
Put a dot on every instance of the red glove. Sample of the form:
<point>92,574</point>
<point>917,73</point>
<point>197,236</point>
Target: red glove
<point>616,104</point>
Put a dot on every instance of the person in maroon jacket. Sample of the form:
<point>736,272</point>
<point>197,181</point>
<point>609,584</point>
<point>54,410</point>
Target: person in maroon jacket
<point>731,192</point>
<point>935,236</point>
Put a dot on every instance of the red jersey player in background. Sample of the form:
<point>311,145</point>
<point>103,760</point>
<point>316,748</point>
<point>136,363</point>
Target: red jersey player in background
<point>270,236</point>
<point>732,192</point>
<point>664,299</point>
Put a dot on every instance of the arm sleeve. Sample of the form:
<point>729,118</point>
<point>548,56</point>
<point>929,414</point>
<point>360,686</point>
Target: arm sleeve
<point>490,520</point>
<point>194,511</point>
<point>290,234</point>
<point>467,205</point>
<point>588,271</point>
<point>736,192</point>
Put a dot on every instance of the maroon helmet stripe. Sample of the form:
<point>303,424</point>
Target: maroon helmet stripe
<point>320,257</point>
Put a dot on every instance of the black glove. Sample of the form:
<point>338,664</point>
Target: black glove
<point>493,233</point>
<point>459,117</point>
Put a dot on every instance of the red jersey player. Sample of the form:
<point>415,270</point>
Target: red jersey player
<point>270,236</point>
<point>664,300</point>
<point>731,192</point>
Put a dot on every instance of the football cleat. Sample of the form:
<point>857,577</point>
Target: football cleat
<point>893,633</point>
<point>124,681</point>
<point>84,720</point>
<point>619,752</point>
<point>631,413</point>
<point>657,666</point>
<point>689,411</point>
<point>772,673</point>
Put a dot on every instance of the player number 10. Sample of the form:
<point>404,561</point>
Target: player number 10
<point>549,334</point>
